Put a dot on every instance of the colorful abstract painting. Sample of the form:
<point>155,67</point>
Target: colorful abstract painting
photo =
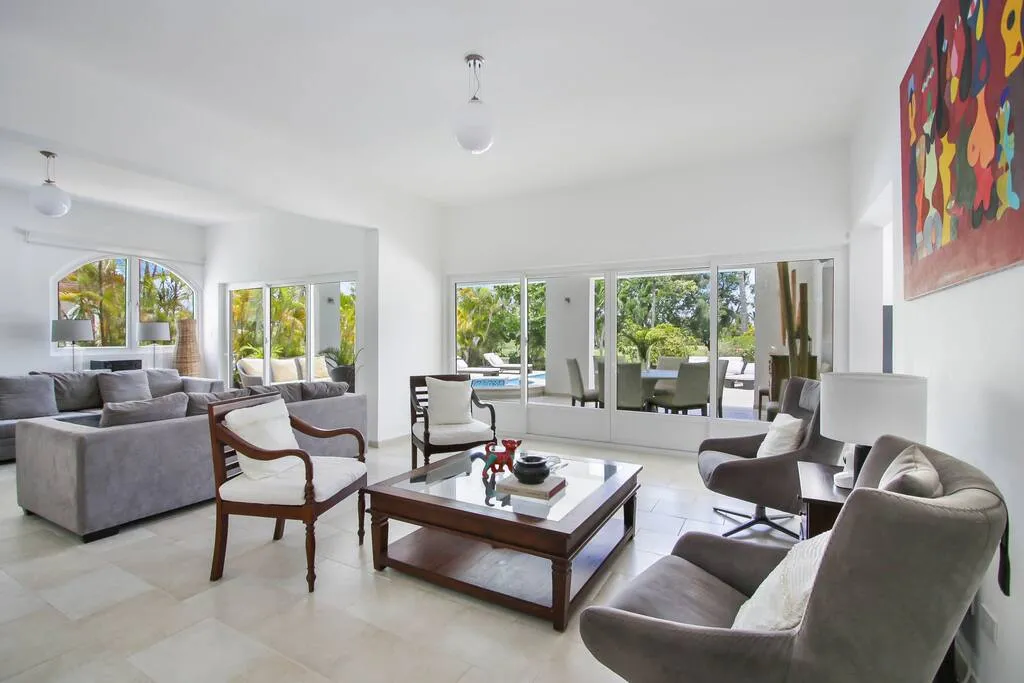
<point>961,102</point>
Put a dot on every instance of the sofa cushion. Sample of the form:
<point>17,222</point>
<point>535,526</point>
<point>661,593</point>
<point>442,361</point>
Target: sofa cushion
<point>284,370</point>
<point>779,602</point>
<point>678,590</point>
<point>314,390</point>
<point>784,436</point>
<point>163,381</point>
<point>290,391</point>
<point>449,403</point>
<point>446,435</point>
<point>288,487</point>
<point>75,390</point>
<point>7,428</point>
<point>167,407</point>
<point>198,401</point>
<point>267,426</point>
<point>912,474</point>
<point>27,396</point>
<point>124,385</point>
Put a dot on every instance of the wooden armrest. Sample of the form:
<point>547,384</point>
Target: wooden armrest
<point>319,433</point>
<point>480,404</point>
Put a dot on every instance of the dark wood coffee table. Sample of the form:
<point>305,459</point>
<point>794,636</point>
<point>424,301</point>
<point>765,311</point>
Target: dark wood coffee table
<point>538,558</point>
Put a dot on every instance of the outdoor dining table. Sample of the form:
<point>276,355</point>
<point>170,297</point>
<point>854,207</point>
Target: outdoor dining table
<point>652,376</point>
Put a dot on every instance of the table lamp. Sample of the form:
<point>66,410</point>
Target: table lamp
<point>154,332</point>
<point>859,407</point>
<point>72,331</point>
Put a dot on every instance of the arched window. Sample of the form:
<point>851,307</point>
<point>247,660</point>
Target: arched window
<point>117,293</point>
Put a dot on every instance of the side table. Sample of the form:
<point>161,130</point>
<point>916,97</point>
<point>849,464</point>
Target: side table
<point>820,499</point>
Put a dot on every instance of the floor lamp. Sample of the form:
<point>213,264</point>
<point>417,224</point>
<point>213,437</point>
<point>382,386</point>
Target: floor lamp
<point>154,332</point>
<point>72,331</point>
<point>859,407</point>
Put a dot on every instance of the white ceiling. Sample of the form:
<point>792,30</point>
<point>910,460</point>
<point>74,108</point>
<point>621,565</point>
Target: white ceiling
<point>582,89</point>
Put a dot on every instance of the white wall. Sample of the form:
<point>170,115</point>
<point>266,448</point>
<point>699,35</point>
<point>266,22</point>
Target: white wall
<point>399,295</point>
<point>29,271</point>
<point>966,341</point>
<point>568,331</point>
<point>792,199</point>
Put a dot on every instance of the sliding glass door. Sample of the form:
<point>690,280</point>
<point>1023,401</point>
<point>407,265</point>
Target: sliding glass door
<point>246,336</point>
<point>292,331</point>
<point>658,357</point>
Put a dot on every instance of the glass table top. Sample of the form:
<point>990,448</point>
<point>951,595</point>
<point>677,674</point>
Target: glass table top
<point>458,478</point>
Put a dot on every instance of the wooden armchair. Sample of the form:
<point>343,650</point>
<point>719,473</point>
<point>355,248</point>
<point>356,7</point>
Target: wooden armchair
<point>301,493</point>
<point>443,438</point>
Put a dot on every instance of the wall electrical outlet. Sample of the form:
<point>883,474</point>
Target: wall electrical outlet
<point>988,624</point>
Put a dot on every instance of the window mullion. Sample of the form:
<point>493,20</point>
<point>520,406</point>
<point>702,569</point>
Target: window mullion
<point>132,303</point>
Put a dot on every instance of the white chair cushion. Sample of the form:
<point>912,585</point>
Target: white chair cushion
<point>780,601</point>
<point>266,426</point>
<point>288,487</point>
<point>446,435</point>
<point>449,403</point>
<point>784,436</point>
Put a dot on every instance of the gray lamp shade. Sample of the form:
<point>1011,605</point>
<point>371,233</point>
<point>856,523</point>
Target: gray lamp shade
<point>158,331</point>
<point>859,407</point>
<point>71,330</point>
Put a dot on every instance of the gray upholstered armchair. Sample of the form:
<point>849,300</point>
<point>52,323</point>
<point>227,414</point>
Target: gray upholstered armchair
<point>886,602</point>
<point>731,466</point>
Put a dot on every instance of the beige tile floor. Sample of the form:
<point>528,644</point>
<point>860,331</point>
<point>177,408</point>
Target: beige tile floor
<point>139,606</point>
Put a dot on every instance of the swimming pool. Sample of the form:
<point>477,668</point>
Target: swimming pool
<point>534,379</point>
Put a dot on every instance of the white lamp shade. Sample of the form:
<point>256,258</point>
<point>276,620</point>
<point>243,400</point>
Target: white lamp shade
<point>859,407</point>
<point>474,127</point>
<point>71,330</point>
<point>50,200</point>
<point>158,331</point>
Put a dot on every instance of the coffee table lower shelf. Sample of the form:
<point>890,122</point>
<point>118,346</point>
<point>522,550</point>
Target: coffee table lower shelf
<point>505,576</point>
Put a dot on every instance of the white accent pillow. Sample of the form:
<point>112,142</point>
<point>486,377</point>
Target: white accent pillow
<point>780,601</point>
<point>284,370</point>
<point>449,403</point>
<point>268,427</point>
<point>784,436</point>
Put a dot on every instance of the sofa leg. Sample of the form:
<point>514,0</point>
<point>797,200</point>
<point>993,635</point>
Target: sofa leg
<point>362,514</point>
<point>220,547</point>
<point>98,535</point>
<point>279,528</point>
<point>28,513</point>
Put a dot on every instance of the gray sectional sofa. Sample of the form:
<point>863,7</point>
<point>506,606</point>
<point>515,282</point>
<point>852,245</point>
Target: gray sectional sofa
<point>76,396</point>
<point>91,479</point>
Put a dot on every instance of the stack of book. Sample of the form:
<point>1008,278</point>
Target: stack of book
<point>545,490</point>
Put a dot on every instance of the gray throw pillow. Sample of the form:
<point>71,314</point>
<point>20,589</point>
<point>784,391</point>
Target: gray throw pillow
<point>312,390</point>
<point>198,401</point>
<point>149,410</point>
<point>290,391</point>
<point>912,474</point>
<point>163,381</point>
<point>27,396</point>
<point>75,390</point>
<point>124,385</point>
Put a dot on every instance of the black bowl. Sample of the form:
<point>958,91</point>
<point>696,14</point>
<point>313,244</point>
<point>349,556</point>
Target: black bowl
<point>531,469</point>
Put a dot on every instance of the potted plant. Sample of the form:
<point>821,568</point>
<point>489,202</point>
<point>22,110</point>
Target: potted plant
<point>342,362</point>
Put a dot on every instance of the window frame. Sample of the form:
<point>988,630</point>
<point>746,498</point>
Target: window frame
<point>132,301</point>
